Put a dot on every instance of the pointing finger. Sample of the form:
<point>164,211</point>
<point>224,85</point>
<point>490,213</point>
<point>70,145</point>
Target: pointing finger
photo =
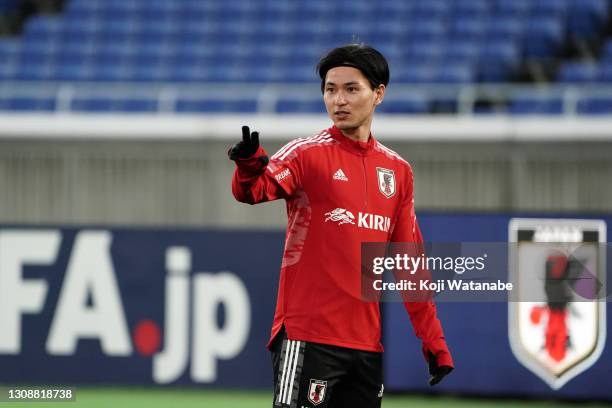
<point>245,135</point>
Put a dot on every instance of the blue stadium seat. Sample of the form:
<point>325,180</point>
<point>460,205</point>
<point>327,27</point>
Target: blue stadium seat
<point>161,10</point>
<point>595,106</point>
<point>34,71</point>
<point>350,29</point>
<point>587,18</point>
<point>353,10</point>
<point>605,72</point>
<point>386,34</point>
<point>21,104</point>
<point>298,73</point>
<point>578,72</point>
<point>271,73</point>
<point>425,30</point>
<point>80,7</point>
<point>124,9</point>
<point>498,60</point>
<point>517,8</point>
<point>111,72</point>
<point>606,51</point>
<point>138,105</point>
<point>300,106</point>
<point>8,71</point>
<point>147,73</point>
<point>550,8</point>
<point>81,29</point>
<point>506,28</point>
<point>92,105</point>
<point>10,49</point>
<point>112,57</point>
<point>455,74</point>
<point>72,52</point>
<point>468,29</point>
<point>43,27</point>
<point>390,50</point>
<point>465,51</point>
<point>187,73</point>
<point>425,51</point>
<point>73,71</point>
<point>470,8</point>
<point>80,13</point>
<point>215,106</point>
<point>430,9</point>
<point>105,105</point>
<point>38,59</point>
<point>544,37</point>
<point>415,72</point>
<point>528,103</point>
<point>267,13</point>
<point>406,106</point>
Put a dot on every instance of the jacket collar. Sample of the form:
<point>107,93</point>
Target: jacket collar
<point>360,148</point>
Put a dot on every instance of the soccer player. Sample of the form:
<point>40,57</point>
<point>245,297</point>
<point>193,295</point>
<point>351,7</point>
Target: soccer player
<point>342,187</point>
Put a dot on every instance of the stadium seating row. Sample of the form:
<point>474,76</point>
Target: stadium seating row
<point>63,46</point>
<point>520,105</point>
<point>434,41</point>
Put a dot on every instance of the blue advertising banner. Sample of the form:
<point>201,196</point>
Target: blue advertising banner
<point>137,306</point>
<point>194,307</point>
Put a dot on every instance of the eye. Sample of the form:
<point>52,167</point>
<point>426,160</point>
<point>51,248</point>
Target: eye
<point>329,90</point>
<point>351,89</point>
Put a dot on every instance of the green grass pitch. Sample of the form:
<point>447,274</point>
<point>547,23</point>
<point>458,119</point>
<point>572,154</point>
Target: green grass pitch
<point>103,397</point>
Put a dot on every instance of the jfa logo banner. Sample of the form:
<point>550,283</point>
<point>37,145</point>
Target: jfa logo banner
<point>123,306</point>
<point>558,328</point>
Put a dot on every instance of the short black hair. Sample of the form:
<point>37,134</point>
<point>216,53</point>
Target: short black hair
<point>366,59</point>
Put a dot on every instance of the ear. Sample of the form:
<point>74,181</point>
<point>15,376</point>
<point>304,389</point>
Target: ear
<point>379,93</point>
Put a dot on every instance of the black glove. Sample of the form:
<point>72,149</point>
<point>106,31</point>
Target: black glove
<point>246,147</point>
<point>437,372</point>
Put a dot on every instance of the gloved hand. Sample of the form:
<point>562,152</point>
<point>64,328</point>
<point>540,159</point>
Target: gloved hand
<point>246,147</point>
<point>437,372</point>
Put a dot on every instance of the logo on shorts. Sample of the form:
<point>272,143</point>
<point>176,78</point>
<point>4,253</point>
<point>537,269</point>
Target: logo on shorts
<point>316,391</point>
<point>341,216</point>
<point>382,390</point>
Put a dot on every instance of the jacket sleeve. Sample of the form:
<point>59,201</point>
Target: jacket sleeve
<point>422,313</point>
<point>258,180</point>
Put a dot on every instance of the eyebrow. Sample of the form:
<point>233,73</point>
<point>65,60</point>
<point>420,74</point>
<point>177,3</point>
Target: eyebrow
<point>345,84</point>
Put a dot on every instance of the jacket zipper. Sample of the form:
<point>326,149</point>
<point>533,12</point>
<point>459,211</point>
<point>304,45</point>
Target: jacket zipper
<point>365,181</point>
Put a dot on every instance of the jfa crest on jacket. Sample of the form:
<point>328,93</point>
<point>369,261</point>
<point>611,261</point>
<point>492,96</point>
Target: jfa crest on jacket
<point>339,193</point>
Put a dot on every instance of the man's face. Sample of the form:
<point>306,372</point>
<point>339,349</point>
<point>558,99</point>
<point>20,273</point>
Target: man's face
<point>349,98</point>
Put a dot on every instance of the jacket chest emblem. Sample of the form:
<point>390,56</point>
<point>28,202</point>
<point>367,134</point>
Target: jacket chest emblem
<point>386,182</point>
<point>340,176</point>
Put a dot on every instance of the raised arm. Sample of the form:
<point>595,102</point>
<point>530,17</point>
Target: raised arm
<point>257,179</point>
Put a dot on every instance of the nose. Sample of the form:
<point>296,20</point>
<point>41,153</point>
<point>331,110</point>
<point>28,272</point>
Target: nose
<point>340,98</point>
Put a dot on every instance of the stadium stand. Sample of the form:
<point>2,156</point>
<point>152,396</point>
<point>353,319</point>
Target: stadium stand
<point>453,42</point>
<point>8,6</point>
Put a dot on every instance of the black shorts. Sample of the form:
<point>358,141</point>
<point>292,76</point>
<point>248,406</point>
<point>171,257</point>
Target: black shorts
<point>309,375</point>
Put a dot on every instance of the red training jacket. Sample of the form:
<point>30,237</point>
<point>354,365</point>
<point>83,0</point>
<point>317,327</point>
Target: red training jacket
<point>339,193</point>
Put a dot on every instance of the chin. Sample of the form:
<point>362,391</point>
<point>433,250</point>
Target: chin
<point>342,125</point>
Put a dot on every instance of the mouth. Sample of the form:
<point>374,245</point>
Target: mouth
<point>341,114</point>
